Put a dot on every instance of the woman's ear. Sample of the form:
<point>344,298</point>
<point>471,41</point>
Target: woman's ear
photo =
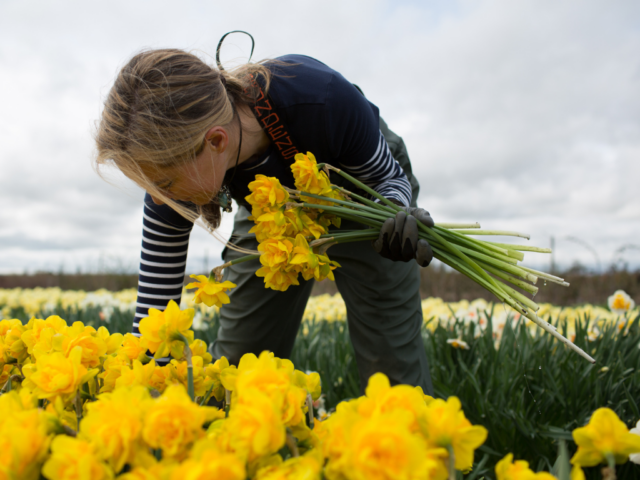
<point>217,138</point>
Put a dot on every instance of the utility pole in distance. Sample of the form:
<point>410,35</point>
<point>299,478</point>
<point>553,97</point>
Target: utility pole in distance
<point>552,266</point>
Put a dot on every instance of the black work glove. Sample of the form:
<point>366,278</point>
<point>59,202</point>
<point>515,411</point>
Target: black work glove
<point>398,240</point>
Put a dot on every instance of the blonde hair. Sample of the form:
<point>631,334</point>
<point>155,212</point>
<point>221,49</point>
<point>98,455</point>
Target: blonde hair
<point>158,111</point>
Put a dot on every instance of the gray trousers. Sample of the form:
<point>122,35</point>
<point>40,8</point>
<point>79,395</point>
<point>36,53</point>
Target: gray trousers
<point>382,297</point>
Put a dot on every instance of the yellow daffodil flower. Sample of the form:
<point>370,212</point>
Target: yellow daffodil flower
<point>266,195</point>
<point>307,466</point>
<point>604,435</point>
<point>210,292</point>
<point>210,463</point>
<point>74,458</point>
<point>254,427</point>
<point>112,369</point>
<point>160,326</point>
<point>381,398</point>
<point>445,426</point>
<point>25,435</point>
<point>117,442</point>
<point>276,279</point>
<point>78,335</point>
<point>135,348</point>
<point>173,422</point>
<point>137,375</point>
<point>383,448</point>
<point>507,469</point>
<point>307,176</point>
<point>55,375</point>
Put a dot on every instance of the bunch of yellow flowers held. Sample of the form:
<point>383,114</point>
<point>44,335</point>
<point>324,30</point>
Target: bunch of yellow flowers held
<point>292,230</point>
<point>77,402</point>
<point>283,227</point>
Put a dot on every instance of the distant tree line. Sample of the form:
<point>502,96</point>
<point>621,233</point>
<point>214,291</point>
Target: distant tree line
<point>436,281</point>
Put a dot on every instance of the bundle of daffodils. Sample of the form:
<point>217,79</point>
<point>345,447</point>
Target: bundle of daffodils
<point>292,228</point>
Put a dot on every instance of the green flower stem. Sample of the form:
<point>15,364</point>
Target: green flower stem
<point>351,205</point>
<point>451,465</point>
<point>611,462</point>
<point>341,210</point>
<point>546,276</point>
<point>246,258</point>
<point>348,233</point>
<point>205,399</point>
<point>516,270</point>
<point>355,239</point>
<point>367,189</point>
<point>498,292</point>
<point>462,268</point>
<point>472,243</point>
<point>216,273</point>
<point>504,266</point>
<point>188,357</point>
<point>552,330</point>
<point>343,239</point>
<point>522,248</point>
<point>456,264</point>
<point>479,244</point>
<point>527,302</point>
<point>227,402</point>
<point>458,225</point>
<point>78,407</point>
<point>348,214</point>
<point>366,201</point>
<point>470,263</point>
<point>493,255</point>
<point>292,444</point>
<point>494,232</point>
<point>519,283</point>
<point>310,410</point>
<point>515,254</point>
<point>369,222</point>
<point>7,386</point>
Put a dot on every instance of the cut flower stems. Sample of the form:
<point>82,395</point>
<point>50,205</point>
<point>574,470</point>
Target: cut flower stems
<point>493,265</point>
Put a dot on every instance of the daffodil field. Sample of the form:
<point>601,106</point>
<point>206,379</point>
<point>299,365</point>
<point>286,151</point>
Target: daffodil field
<point>522,392</point>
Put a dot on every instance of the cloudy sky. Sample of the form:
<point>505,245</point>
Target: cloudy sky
<point>522,115</point>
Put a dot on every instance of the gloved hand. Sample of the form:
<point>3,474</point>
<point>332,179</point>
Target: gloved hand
<point>399,240</point>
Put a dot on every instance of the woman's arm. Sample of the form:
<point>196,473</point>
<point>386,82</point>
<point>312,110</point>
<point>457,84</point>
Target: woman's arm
<point>165,242</point>
<point>353,131</point>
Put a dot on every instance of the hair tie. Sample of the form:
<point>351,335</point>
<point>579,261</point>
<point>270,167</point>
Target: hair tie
<point>253,44</point>
<point>224,81</point>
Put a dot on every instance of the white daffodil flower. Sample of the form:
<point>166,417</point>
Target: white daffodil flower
<point>620,303</point>
<point>458,343</point>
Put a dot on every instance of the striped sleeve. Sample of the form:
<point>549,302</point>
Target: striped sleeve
<point>163,260</point>
<point>383,173</point>
<point>357,144</point>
